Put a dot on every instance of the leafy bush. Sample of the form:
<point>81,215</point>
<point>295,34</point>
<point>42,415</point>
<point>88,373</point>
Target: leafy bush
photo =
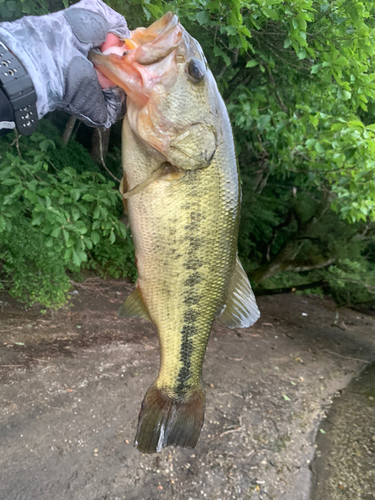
<point>115,260</point>
<point>53,220</point>
<point>13,9</point>
<point>352,282</point>
<point>30,270</point>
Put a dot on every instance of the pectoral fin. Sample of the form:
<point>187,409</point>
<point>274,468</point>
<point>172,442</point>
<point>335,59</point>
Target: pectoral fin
<point>123,189</point>
<point>240,309</point>
<point>166,171</point>
<point>134,307</point>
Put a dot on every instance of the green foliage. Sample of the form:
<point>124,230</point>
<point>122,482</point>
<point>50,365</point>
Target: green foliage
<point>31,271</point>
<point>59,156</point>
<point>13,9</point>
<point>115,260</point>
<point>54,219</point>
<point>298,79</point>
<point>299,82</point>
<point>293,233</point>
<point>348,281</point>
<point>352,281</point>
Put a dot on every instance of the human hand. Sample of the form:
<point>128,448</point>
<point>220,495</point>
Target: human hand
<point>54,48</point>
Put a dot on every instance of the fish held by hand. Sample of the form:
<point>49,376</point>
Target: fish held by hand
<point>182,195</point>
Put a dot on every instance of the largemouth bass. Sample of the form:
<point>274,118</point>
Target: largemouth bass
<point>182,193</point>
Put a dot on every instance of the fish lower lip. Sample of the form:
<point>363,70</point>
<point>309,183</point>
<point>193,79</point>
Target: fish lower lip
<point>96,54</point>
<point>93,54</point>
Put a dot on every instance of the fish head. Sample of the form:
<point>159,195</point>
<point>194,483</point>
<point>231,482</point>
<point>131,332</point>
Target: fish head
<point>172,99</point>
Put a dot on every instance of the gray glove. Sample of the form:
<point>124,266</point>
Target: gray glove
<point>54,48</point>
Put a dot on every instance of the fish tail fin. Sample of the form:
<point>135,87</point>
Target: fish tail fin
<point>164,421</point>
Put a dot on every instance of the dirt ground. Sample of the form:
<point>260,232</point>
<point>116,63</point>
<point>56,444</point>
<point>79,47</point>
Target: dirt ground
<point>344,467</point>
<point>71,385</point>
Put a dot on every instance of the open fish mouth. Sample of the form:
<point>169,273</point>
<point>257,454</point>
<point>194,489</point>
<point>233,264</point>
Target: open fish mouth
<point>145,60</point>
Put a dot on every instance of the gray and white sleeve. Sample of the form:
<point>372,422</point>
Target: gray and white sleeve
<point>54,49</point>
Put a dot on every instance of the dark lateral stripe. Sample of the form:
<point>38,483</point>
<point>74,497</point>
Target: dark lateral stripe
<point>189,328</point>
<point>193,279</point>
<point>188,331</point>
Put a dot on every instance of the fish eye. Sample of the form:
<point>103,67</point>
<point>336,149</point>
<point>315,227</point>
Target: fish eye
<point>196,70</point>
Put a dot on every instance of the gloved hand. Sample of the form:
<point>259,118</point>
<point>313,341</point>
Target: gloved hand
<point>54,48</point>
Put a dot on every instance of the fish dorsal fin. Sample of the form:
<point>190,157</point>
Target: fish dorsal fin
<point>134,307</point>
<point>240,309</point>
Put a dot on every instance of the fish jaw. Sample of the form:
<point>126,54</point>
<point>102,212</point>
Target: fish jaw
<point>121,72</point>
<point>146,35</point>
<point>144,61</point>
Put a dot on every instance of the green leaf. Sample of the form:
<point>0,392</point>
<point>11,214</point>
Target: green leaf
<point>96,213</point>
<point>264,121</point>
<point>314,120</point>
<point>50,242</point>
<point>76,259</point>
<point>202,17</point>
<point>219,52</point>
<point>56,232</point>
<point>32,185</point>
<point>315,68</point>
<point>66,235</point>
<point>251,63</point>
<point>68,254</point>
<point>88,197</point>
<point>95,238</point>
<point>76,214</point>
<point>31,196</point>
<point>88,243</point>
<point>45,144</point>
<point>287,43</point>
<point>10,182</point>
<point>11,4</point>
<point>36,221</point>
